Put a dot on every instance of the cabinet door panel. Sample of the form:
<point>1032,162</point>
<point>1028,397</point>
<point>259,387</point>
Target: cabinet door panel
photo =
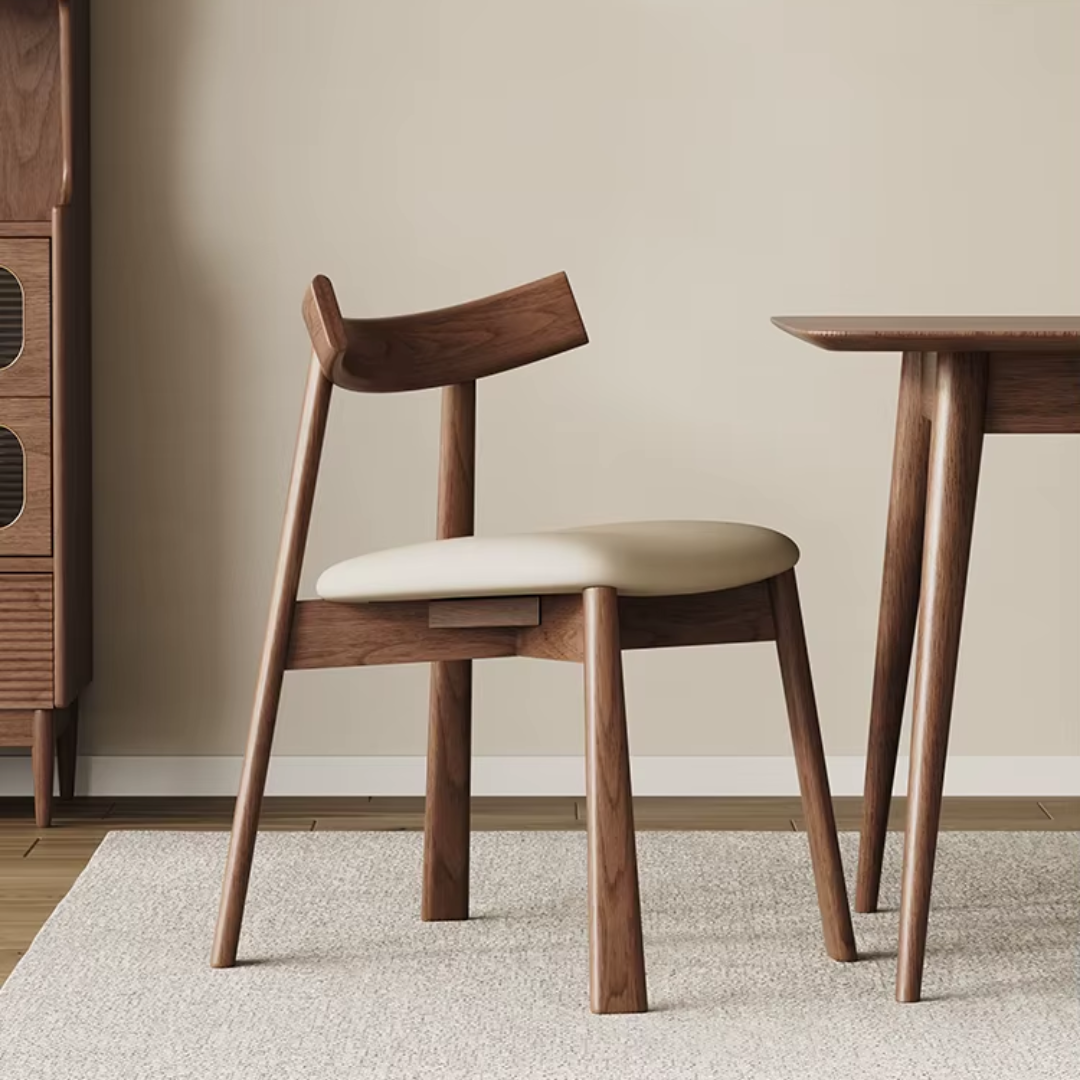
<point>25,325</point>
<point>25,478</point>
<point>26,641</point>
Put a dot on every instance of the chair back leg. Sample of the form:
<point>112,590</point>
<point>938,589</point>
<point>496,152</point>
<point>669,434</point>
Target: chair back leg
<point>616,952</point>
<point>272,667</point>
<point>810,760</point>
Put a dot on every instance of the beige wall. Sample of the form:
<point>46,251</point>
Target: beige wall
<point>695,166</point>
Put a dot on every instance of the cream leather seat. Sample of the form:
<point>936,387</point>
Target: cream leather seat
<point>640,558</point>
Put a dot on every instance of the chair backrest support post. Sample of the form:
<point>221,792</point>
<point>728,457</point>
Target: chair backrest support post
<point>457,462</point>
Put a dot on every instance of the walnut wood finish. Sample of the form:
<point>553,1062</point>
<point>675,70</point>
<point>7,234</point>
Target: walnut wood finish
<point>16,727</point>
<point>616,950</point>
<point>32,564</point>
<point>31,154</point>
<point>26,643</point>
<point>326,635</point>
<point>901,578</point>
<point>45,240</point>
<point>28,260</point>
<point>655,622</point>
<point>272,666</point>
<point>31,533</point>
<point>878,333</point>
<point>955,456</point>
<point>25,230</point>
<point>979,375</point>
<point>488,611</point>
<point>1033,395</point>
<point>441,348</point>
<point>449,757</point>
<point>810,760</point>
<point>453,348</point>
<point>43,754</point>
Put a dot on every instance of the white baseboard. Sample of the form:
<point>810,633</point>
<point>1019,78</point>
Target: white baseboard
<point>178,776</point>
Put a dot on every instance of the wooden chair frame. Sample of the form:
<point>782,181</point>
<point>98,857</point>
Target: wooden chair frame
<point>453,348</point>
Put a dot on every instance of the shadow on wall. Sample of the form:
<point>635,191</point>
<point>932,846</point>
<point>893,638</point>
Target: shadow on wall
<point>157,346</point>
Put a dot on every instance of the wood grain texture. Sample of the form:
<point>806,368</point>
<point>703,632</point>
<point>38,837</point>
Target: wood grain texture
<point>326,634</point>
<point>439,348</point>
<point>31,533</point>
<point>449,756</point>
<point>1033,395</point>
<point>26,647</point>
<point>810,761</point>
<point>28,260</point>
<point>446,813</point>
<point>655,622</point>
<point>716,618</point>
<point>43,755</point>
<point>16,727</point>
<point>25,230</point>
<point>616,950</point>
<point>272,665</point>
<point>484,612</point>
<point>31,155</point>
<point>955,456</point>
<point>31,564</point>
<point>899,611</point>
<point>981,333</point>
<point>560,634</point>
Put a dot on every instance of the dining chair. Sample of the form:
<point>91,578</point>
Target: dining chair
<point>580,595</point>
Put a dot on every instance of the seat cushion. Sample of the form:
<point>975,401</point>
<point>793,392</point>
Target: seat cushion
<point>640,558</point>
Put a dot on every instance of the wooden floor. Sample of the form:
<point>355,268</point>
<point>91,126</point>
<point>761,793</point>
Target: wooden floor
<point>38,866</point>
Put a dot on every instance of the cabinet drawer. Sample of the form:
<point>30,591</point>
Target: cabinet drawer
<point>26,641</point>
<point>25,324</point>
<point>25,477</point>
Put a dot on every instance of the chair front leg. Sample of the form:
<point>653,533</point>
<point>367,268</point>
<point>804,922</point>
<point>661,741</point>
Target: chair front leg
<point>446,808</point>
<point>810,760</point>
<point>616,952</point>
<point>272,668</point>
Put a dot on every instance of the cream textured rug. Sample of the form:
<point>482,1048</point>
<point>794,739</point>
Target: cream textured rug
<point>342,979</point>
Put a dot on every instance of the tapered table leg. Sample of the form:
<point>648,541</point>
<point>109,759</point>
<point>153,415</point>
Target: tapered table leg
<point>955,455</point>
<point>896,623</point>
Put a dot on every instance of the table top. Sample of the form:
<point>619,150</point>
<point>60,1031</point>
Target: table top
<point>965,333</point>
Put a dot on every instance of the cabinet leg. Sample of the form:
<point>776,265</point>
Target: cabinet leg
<point>44,763</point>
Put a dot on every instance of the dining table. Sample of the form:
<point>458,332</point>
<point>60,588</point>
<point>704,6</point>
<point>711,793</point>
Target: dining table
<point>961,378</point>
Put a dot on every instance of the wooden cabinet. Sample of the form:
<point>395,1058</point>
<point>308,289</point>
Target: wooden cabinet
<point>45,563</point>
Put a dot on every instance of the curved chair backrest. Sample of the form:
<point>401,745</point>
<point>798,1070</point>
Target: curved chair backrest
<point>446,347</point>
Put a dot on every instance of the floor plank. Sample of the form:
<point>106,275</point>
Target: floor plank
<point>397,814</point>
<point>960,814</point>
<point>8,959</point>
<point>1065,813</point>
<point>726,814</point>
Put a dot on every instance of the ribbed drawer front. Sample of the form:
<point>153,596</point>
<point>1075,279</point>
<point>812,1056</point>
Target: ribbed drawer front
<point>26,640</point>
